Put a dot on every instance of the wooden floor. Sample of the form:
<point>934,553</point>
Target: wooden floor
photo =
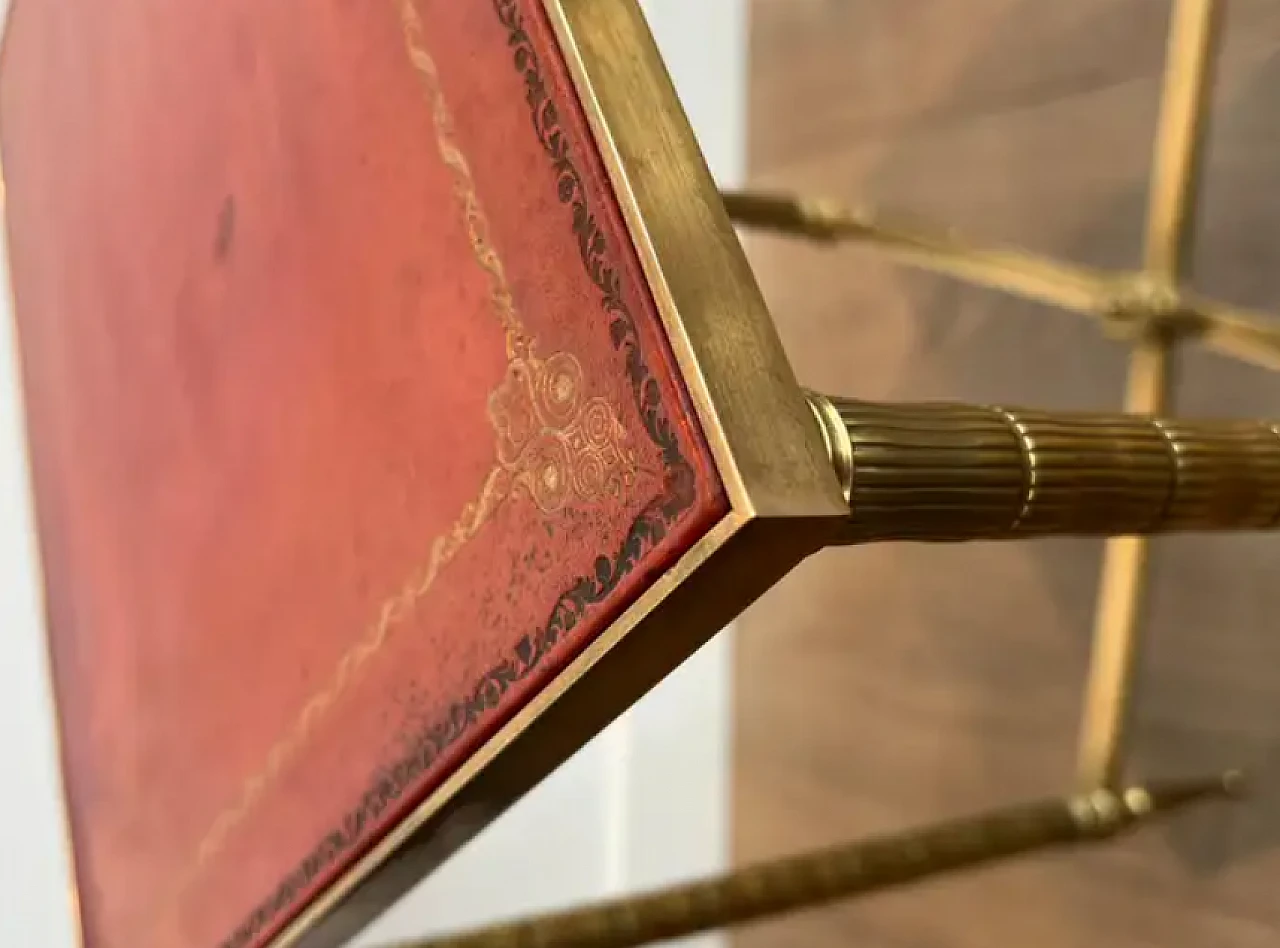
<point>883,687</point>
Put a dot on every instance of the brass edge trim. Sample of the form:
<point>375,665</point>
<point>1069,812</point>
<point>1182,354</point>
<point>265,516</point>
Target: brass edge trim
<point>739,416</point>
<point>74,903</point>
<point>391,843</point>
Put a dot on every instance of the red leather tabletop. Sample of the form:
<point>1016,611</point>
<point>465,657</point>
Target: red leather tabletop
<point>352,421</point>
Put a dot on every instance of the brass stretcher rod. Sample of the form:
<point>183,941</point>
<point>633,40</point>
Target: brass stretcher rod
<point>1171,208</point>
<point>1125,302</point>
<point>861,868</point>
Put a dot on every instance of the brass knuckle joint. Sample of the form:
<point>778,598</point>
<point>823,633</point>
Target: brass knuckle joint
<point>1144,308</point>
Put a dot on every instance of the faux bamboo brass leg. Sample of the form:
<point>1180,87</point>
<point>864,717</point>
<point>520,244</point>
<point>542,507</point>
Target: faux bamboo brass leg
<point>940,472</point>
<point>1118,620</point>
<point>1172,205</point>
<point>1179,151</point>
<point>858,869</point>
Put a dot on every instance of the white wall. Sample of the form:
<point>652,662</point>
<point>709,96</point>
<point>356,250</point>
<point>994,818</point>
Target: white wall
<point>645,803</point>
<point>35,869</point>
<point>36,906</point>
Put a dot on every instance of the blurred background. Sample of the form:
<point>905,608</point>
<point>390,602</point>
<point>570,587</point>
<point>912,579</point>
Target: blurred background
<point>884,687</point>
